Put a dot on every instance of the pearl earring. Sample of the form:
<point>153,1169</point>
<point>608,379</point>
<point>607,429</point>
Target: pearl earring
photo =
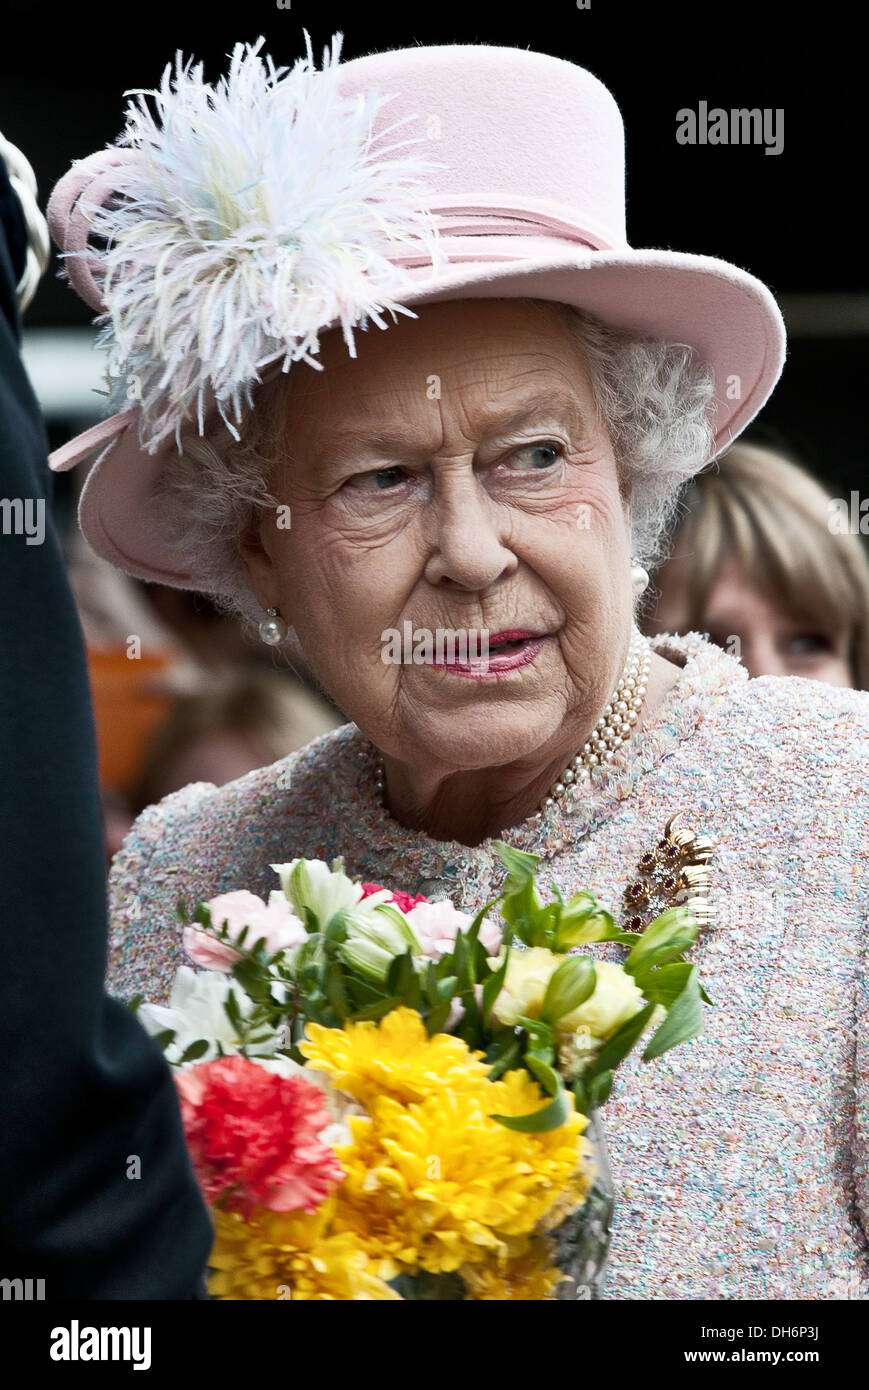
<point>639,577</point>
<point>273,629</point>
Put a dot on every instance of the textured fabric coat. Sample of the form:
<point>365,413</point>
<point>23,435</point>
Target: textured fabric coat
<point>740,1158</point>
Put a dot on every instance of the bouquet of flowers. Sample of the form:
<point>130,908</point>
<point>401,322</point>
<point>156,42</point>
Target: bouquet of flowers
<point>385,1098</point>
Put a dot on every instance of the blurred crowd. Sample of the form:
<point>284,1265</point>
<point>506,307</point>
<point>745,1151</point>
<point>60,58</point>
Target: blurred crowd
<point>181,692</point>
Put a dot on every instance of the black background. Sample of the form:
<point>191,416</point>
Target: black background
<point>796,220</point>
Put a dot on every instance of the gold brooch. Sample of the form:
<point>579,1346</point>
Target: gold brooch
<point>675,873</point>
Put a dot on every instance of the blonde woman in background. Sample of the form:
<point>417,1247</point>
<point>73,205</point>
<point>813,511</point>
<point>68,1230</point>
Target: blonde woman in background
<point>755,565</point>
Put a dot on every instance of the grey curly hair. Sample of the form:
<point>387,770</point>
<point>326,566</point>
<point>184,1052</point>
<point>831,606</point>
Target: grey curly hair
<point>653,397</point>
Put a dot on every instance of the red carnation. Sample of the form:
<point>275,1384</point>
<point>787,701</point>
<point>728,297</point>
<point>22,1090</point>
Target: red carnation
<point>255,1135</point>
<point>403,901</point>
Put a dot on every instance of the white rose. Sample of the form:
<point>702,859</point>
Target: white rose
<point>525,984</point>
<point>616,998</point>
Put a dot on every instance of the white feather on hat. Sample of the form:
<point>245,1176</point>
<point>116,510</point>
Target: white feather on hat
<point>255,213</point>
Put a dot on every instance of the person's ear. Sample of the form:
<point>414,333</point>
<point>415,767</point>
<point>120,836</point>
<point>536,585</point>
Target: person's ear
<point>256,557</point>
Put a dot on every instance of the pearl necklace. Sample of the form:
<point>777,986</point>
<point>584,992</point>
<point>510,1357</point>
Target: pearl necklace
<point>613,728</point>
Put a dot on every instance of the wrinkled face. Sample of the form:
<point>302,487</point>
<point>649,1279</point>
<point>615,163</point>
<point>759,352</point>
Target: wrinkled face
<point>453,478</point>
<point>765,635</point>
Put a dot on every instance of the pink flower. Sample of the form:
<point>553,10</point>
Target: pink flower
<point>275,921</point>
<point>254,1136</point>
<point>437,924</point>
<point>457,1010</point>
<point>403,901</point>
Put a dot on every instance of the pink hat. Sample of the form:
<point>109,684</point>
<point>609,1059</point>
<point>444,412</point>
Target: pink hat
<point>209,283</point>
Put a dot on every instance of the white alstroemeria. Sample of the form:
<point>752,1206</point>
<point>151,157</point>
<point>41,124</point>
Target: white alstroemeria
<point>196,1010</point>
<point>311,883</point>
<point>367,958</point>
<point>391,929</point>
<point>376,935</point>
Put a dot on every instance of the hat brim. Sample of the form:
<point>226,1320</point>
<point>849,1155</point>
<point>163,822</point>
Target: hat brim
<point>726,314</point>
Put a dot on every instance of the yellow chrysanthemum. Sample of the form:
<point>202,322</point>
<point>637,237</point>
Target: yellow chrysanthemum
<point>529,1274</point>
<point>574,1193</point>
<point>290,1255</point>
<point>438,1183</point>
<point>394,1057</point>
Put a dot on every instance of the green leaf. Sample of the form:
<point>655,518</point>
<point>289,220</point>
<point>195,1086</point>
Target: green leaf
<point>552,1115</point>
<point>164,1038</point>
<point>335,991</point>
<point>437,1017</point>
<point>481,956</point>
<point>195,1050</point>
<point>548,1078</point>
<point>445,989</point>
<point>521,903</point>
<point>378,1010</point>
<point>503,1053</point>
<point>659,955</point>
<point>393,975</point>
<point>460,960</point>
<point>493,984</point>
<point>521,866</point>
<point>361,992</point>
<point>619,1045</point>
<point>473,932</point>
<point>231,1009</point>
<point>543,927</point>
<point>591,924</point>
<point>570,984</point>
<point>336,927</point>
<point>315,1013</point>
<point>538,1031</point>
<point>431,982</point>
<point>402,979</point>
<point>472,1022</point>
<point>133,1004</point>
<point>580,1097</point>
<point>599,1089</point>
<point>667,936</point>
<point>664,985</point>
<point>253,981</point>
<point>684,1019</point>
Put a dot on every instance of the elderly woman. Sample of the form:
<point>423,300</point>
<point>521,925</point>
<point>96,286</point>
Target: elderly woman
<point>502,462</point>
